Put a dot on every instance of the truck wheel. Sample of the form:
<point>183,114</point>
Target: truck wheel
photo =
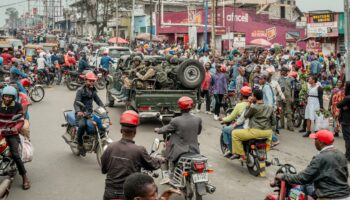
<point>191,74</point>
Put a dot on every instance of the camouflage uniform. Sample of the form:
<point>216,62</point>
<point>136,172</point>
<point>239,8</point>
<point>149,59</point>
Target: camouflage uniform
<point>286,86</point>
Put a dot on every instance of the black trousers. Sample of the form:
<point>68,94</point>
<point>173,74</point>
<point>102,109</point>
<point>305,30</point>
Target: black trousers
<point>346,136</point>
<point>13,141</point>
<point>218,100</point>
<point>81,121</point>
<point>205,94</point>
<point>47,77</point>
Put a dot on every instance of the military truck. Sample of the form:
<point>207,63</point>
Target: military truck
<point>172,81</point>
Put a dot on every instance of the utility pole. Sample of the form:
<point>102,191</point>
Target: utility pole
<point>206,27</point>
<point>213,22</point>
<point>347,38</point>
<point>132,22</point>
<point>117,20</point>
<point>150,20</point>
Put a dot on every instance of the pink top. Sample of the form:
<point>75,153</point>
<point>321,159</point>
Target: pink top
<point>206,81</point>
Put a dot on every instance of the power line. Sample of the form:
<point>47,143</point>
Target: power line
<point>11,4</point>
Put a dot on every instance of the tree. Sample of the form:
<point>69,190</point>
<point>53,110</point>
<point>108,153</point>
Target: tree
<point>12,14</point>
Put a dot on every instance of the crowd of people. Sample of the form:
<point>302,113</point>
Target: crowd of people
<point>252,91</point>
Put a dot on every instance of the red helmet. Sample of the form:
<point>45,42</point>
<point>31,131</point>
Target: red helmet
<point>185,103</point>
<point>223,69</point>
<point>13,60</point>
<point>25,82</point>
<point>90,76</point>
<point>246,91</point>
<point>294,74</point>
<point>129,118</point>
<point>70,53</point>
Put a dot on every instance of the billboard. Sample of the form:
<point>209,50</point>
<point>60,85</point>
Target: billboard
<point>327,29</point>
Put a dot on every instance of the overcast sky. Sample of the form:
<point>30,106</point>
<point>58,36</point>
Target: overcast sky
<point>304,5</point>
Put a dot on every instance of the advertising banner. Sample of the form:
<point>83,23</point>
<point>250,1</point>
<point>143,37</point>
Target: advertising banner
<point>327,29</point>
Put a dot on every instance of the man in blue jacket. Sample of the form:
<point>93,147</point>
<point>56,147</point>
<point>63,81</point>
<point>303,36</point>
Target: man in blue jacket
<point>105,60</point>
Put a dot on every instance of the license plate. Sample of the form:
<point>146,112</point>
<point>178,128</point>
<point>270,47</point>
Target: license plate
<point>202,177</point>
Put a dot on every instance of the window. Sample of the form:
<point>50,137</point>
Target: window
<point>283,12</point>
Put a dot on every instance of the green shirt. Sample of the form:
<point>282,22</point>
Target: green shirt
<point>237,111</point>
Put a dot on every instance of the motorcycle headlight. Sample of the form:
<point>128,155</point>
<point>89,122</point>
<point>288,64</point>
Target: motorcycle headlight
<point>105,123</point>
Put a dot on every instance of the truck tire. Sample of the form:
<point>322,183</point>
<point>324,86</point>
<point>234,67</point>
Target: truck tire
<point>191,74</point>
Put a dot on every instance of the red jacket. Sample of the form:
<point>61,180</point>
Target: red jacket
<point>206,81</point>
<point>7,58</point>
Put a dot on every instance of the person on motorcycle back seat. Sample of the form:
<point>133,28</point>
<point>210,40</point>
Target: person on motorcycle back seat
<point>6,56</point>
<point>70,61</point>
<point>16,75</point>
<point>87,94</point>
<point>184,132</point>
<point>328,170</point>
<point>237,111</point>
<point>105,60</point>
<point>9,108</point>
<point>124,157</point>
<point>261,122</point>
<point>83,64</point>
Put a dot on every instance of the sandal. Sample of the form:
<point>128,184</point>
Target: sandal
<point>26,185</point>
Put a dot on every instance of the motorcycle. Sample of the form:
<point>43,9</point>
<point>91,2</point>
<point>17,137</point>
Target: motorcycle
<point>102,75</point>
<point>35,91</point>
<point>96,137</point>
<point>190,174</point>
<point>298,109</point>
<point>256,155</point>
<point>40,77</point>
<point>74,79</point>
<point>7,164</point>
<point>283,189</point>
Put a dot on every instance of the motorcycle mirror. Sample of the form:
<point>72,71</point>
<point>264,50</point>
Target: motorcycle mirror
<point>155,145</point>
<point>17,117</point>
<point>79,103</point>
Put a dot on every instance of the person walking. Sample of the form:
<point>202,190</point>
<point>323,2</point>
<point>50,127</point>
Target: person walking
<point>205,90</point>
<point>314,103</point>
<point>338,94</point>
<point>344,119</point>
<point>219,89</point>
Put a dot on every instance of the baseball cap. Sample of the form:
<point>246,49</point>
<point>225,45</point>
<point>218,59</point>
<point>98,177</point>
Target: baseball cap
<point>324,136</point>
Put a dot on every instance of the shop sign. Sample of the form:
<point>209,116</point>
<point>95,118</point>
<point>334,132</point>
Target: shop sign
<point>220,31</point>
<point>269,33</point>
<point>237,18</point>
<point>292,36</point>
<point>327,29</point>
<point>301,24</point>
<point>322,18</point>
<point>313,46</point>
<point>239,40</point>
<point>341,23</point>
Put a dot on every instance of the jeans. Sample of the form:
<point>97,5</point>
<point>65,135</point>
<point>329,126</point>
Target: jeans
<point>227,134</point>
<point>81,129</point>
<point>218,100</point>
<point>274,137</point>
<point>212,104</point>
<point>346,136</point>
<point>43,71</point>
<point>205,94</point>
<point>13,141</point>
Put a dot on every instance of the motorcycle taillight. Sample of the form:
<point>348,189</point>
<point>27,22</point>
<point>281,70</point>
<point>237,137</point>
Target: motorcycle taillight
<point>262,146</point>
<point>199,166</point>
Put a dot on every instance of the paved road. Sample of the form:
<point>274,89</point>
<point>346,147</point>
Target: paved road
<point>57,174</point>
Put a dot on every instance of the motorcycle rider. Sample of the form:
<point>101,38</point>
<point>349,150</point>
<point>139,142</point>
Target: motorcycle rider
<point>237,111</point>
<point>83,64</point>
<point>86,94</point>
<point>185,130</point>
<point>328,170</point>
<point>16,74</point>
<point>124,157</point>
<point>42,65</point>
<point>9,108</point>
<point>105,60</point>
<point>261,120</point>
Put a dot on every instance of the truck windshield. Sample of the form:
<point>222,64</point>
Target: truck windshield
<point>117,53</point>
